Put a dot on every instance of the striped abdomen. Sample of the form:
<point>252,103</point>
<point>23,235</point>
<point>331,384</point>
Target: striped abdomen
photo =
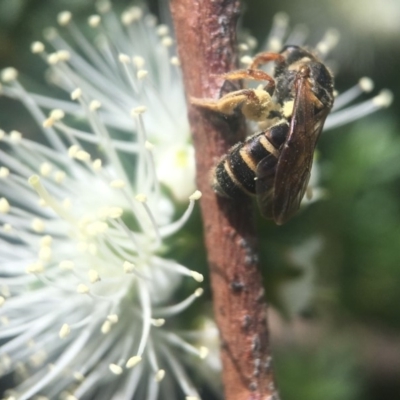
<point>236,172</point>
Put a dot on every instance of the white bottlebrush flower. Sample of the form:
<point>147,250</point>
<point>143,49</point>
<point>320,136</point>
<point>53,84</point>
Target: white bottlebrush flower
<point>84,288</point>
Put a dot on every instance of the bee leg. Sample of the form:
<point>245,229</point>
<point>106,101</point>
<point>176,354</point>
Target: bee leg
<point>226,105</point>
<point>253,74</point>
<point>228,87</point>
<point>255,104</point>
<point>264,58</point>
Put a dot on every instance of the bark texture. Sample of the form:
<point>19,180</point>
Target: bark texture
<point>206,38</point>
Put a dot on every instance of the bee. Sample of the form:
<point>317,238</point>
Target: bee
<point>275,164</point>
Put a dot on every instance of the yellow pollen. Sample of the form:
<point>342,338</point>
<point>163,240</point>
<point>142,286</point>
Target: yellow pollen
<point>35,268</point>
<point>66,264</point>
<point>96,164</point>
<point>198,292</point>
<point>106,327</point>
<point>158,322</point>
<point>82,155</point>
<point>93,276</point>
<point>46,240</point>
<point>73,150</point>
<point>113,318</point>
<point>141,198</point>
<point>141,74</point>
<point>82,289</point>
<point>196,195</point>
<point>197,276</point>
<point>94,105</point>
<point>76,94</point>
<point>45,253</point>
<point>203,352</point>
<point>94,21</point>
<point>57,114</point>
<point>7,227</point>
<point>128,267</point>
<point>138,110</point>
<point>78,376</point>
<point>167,41</point>
<point>181,159</point>
<point>175,61</point>
<point>64,331</point>
<point>4,172</point>
<point>160,374</point>
<point>138,61</point>
<point>124,58</point>
<point>15,136</point>
<point>115,212</point>
<point>45,169</point>
<point>4,206</point>
<point>59,176</point>
<point>63,55</point>
<point>133,361</point>
<point>38,225</point>
<point>115,369</point>
<point>37,47</point>
<point>117,184</point>
<point>64,18</point>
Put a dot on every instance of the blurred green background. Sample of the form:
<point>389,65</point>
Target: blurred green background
<point>333,272</point>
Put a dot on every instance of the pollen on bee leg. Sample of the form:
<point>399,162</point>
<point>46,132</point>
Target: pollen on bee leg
<point>309,193</point>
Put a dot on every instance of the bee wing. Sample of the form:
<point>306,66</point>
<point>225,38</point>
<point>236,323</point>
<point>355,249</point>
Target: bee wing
<point>265,184</point>
<point>296,157</point>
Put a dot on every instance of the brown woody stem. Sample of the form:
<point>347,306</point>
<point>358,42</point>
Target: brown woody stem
<point>206,37</point>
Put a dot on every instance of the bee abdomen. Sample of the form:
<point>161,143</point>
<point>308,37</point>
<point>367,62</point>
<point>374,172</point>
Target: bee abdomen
<point>235,174</point>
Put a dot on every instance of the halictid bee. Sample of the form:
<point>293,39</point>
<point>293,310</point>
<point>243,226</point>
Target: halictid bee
<point>275,164</point>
